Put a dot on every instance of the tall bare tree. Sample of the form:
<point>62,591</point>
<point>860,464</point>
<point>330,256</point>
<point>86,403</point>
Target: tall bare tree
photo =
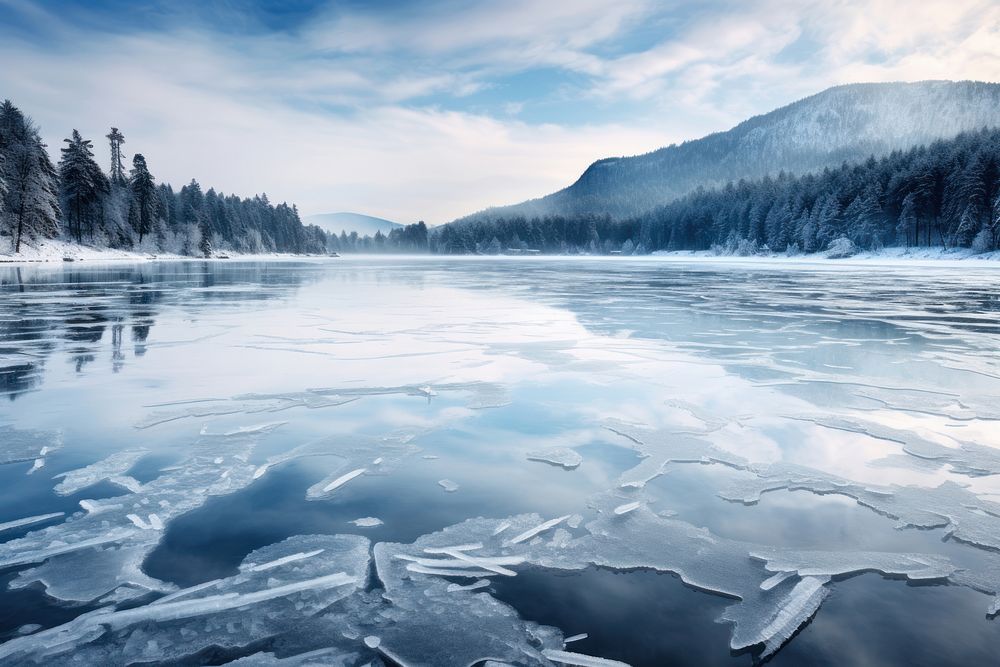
<point>117,165</point>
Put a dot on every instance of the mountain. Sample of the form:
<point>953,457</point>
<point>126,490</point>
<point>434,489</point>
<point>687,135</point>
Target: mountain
<point>364,225</point>
<point>845,123</point>
<point>945,194</point>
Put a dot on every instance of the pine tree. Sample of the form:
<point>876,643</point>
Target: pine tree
<point>864,218</point>
<point>31,203</point>
<point>82,184</point>
<point>907,220</point>
<point>205,244</point>
<point>3,187</point>
<point>995,220</point>
<point>144,197</point>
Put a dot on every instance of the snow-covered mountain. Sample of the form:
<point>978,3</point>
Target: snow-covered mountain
<point>364,225</point>
<point>845,123</point>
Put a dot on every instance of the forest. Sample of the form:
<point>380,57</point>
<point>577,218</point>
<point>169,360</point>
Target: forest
<point>76,199</point>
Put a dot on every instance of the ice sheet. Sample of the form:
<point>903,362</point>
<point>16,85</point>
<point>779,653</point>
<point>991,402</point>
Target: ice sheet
<point>966,516</point>
<point>661,447</point>
<point>724,375</point>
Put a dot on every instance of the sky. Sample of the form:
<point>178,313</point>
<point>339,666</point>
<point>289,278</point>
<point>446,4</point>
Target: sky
<point>434,109</point>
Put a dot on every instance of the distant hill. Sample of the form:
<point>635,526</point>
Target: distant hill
<point>364,225</point>
<point>845,123</point>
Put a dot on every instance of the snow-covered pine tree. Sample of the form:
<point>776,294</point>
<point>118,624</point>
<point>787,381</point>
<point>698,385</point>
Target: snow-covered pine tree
<point>144,197</point>
<point>3,188</point>
<point>994,227</point>
<point>907,220</point>
<point>864,219</point>
<point>83,185</point>
<point>31,203</point>
<point>133,218</point>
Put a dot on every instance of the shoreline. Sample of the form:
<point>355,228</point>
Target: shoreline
<point>55,251</point>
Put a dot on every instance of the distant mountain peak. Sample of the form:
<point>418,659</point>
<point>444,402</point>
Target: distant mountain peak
<point>346,221</point>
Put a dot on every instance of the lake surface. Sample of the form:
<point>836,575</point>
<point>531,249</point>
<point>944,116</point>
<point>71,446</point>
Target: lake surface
<point>444,462</point>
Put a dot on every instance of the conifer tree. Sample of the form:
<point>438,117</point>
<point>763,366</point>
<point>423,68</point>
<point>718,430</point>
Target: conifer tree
<point>205,244</point>
<point>144,199</point>
<point>907,219</point>
<point>31,203</point>
<point>83,185</point>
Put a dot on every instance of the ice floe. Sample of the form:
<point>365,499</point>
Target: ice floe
<point>367,522</point>
<point>325,487</point>
<point>580,660</point>
<point>30,520</point>
<point>112,469</point>
<point>559,456</point>
<point>232,612</point>
<point>769,608</point>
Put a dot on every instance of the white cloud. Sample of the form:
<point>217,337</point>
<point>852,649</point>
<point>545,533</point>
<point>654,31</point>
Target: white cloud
<point>336,115</point>
<point>477,28</point>
<point>387,160</point>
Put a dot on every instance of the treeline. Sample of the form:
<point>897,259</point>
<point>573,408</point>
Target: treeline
<point>400,240</point>
<point>945,194</point>
<point>76,199</point>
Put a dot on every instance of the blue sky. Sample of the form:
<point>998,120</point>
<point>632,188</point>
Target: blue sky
<point>429,110</point>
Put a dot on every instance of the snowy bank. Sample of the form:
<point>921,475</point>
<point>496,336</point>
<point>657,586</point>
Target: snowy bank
<point>55,250</point>
<point>902,256</point>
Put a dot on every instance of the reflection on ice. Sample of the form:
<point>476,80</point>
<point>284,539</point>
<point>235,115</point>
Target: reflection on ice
<point>966,458</point>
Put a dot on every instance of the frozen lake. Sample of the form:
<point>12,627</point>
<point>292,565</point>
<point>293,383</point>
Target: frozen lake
<point>444,462</point>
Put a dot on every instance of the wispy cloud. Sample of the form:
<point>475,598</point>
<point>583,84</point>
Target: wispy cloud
<point>434,109</point>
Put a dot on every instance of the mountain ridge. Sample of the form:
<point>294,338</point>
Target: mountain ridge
<point>844,123</point>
